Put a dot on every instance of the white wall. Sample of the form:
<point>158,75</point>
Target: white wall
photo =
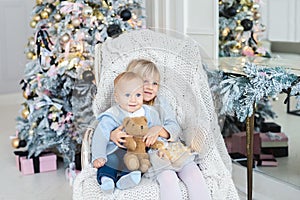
<point>197,19</point>
<point>282,20</point>
<point>194,18</point>
<point>264,17</point>
<point>15,29</point>
<point>202,24</point>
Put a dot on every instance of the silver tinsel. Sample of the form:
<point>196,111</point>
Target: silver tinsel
<point>240,93</point>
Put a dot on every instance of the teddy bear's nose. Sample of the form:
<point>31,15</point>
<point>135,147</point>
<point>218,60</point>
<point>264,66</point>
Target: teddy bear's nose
<point>142,127</point>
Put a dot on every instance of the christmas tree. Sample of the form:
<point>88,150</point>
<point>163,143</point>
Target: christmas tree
<point>240,29</point>
<point>58,84</point>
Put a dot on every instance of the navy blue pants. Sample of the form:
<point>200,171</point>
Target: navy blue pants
<point>114,168</point>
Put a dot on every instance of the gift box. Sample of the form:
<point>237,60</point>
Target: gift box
<point>228,144</point>
<point>239,143</point>
<point>43,163</point>
<point>274,143</point>
<point>270,126</point>
<point>266,160</point>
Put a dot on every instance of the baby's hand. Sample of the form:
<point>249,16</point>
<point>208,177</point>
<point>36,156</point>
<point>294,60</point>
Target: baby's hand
<point>99,162</point>
<point>118,136</point>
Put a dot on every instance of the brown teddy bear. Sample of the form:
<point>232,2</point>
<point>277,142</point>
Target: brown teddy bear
<point>136,157</point>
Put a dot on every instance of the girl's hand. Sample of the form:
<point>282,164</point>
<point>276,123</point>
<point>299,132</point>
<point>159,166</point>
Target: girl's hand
<point>152,135</point>
<point>99,162</point>
<point>118,136</point>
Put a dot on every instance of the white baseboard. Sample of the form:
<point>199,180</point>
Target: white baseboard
<point>264,186</point>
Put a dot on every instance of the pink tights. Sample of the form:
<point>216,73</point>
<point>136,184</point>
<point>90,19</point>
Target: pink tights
<point>192,178</point>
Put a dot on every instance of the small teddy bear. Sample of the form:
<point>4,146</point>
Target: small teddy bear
<point>136,157</point>
<point>176,152</point>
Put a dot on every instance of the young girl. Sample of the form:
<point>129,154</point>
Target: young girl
<point>167,178</point>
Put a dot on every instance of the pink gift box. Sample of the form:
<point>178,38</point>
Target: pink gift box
<point>239,143</point>
<point>228,144</point>
<point>274,143</point>
<point>48,163</point>
<point>267,160</point>
<point>26,166</point>
<point>43,163</point>
<point>271,139</point>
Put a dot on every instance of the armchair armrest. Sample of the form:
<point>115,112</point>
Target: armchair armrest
<point>86,145</point>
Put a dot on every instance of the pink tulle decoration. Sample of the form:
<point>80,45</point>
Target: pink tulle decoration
<point>248,51</point>
<point>52,71</point>
<point>54,126</point>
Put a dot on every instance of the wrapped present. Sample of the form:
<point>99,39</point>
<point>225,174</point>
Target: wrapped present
<point>239,143</point>
<point>274,143</point>
<point>43,163</point>
<point>270,126</point>
<point>266,160</point>
<point>228,144</point>
<point>78,161</point>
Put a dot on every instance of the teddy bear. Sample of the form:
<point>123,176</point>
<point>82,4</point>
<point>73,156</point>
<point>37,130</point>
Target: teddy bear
<point>136,157</point>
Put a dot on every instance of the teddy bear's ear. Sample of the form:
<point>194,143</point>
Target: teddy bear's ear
<point>126,121</point>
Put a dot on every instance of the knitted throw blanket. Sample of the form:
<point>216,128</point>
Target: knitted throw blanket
<point>184,85</point>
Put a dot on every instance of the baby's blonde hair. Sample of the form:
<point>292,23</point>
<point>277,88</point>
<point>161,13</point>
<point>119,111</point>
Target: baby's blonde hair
<point>143,67</point>
<point>124,77</point>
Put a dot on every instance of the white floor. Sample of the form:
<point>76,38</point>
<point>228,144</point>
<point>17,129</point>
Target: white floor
<point>283,181</point>
<point>42,186</point>
<point>288,167</point>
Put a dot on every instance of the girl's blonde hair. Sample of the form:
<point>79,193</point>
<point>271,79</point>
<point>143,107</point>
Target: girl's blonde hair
<point>144,68</point>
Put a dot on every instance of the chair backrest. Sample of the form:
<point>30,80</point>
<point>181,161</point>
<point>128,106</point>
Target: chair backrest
<point>183,80</point>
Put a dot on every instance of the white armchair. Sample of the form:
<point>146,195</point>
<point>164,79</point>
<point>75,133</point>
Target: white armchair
<point>184,84</point>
